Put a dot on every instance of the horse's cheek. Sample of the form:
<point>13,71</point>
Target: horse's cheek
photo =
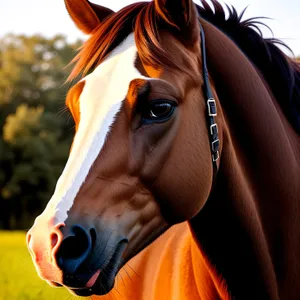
<point>184,181</point>
<point>150,149</point>
<point>179,197</point>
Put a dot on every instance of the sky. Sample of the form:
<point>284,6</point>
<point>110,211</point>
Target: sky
<point>50,17</point>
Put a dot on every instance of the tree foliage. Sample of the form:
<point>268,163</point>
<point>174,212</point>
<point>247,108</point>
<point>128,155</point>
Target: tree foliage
<point>35,135</point>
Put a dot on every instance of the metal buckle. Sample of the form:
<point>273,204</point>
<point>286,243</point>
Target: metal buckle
<point>211,102</point>
<point>214,129</point>
<point>215,156</point>
<point>213,147</point>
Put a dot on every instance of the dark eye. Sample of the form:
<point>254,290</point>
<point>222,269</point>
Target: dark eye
<point>159,111</point>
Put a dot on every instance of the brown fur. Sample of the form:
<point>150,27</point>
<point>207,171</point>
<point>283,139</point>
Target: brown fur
<point>250,184</point>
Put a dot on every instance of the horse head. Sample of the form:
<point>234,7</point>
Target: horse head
<point>141,157</point>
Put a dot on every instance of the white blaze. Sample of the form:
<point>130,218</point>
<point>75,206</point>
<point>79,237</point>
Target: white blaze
<point>101,99</point>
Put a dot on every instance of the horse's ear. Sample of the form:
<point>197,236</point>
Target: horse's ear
<point>86,15</point>
<point>181,14</point>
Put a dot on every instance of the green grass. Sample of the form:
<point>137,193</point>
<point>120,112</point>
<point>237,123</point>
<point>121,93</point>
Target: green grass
<point>18,277</point>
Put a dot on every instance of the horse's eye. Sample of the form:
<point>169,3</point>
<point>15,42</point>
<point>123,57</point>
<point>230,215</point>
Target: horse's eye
<point>159,111</point>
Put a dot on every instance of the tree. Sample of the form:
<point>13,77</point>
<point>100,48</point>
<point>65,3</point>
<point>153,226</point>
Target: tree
<point>35,136</point>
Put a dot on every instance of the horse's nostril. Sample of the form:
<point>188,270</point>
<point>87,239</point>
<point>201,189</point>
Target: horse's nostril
<point>93,236</point>
<point>54,239</point>
<point>74,249</point>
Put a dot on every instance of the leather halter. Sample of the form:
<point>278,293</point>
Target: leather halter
<point>211,109</point>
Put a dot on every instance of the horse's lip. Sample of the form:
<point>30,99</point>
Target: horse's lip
<point>84,292</point>
<point>96,288</point>
<point>93,279</point>
<point>113,266</point>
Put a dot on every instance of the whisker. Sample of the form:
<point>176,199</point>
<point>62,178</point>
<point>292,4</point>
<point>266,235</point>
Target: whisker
<point>63,110</point>
<point>115,289</point>
<point>133,270</point>
<point>120,275</point>
<point>124,268</point>
<point>107,241</point>
<point>111,294</point>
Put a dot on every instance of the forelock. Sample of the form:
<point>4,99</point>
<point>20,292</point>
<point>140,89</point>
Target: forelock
<point>140,18</point>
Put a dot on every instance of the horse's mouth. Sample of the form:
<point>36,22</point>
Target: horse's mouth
<point>102,281</point>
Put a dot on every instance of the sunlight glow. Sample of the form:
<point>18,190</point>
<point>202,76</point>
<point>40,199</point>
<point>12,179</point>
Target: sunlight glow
<point>50,17</point>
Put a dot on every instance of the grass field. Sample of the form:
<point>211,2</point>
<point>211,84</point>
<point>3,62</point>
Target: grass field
<point>18,278</point>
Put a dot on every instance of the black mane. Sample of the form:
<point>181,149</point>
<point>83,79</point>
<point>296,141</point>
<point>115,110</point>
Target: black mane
<point>280,72</point>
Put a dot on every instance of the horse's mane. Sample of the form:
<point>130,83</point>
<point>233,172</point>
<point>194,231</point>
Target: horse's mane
<point>280,72</point>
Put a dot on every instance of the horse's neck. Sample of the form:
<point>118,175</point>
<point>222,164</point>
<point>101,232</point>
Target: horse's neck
<point>249,227</point>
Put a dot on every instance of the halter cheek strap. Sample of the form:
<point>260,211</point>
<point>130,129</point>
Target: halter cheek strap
<point>211,109</point>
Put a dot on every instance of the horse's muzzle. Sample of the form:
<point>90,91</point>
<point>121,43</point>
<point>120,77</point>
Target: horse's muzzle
<point>84,257</point>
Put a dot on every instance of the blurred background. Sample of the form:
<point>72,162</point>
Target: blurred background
<point>37,41</point>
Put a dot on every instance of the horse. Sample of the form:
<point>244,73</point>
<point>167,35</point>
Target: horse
<point>183,176</point>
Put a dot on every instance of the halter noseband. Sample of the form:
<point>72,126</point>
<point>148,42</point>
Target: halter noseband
<point>211,109</point>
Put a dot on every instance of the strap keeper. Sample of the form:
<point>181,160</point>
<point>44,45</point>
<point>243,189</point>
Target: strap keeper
<point>212,107</point>
<point>215,156</point>
<point>214,129</point>
<point>215,146</point>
